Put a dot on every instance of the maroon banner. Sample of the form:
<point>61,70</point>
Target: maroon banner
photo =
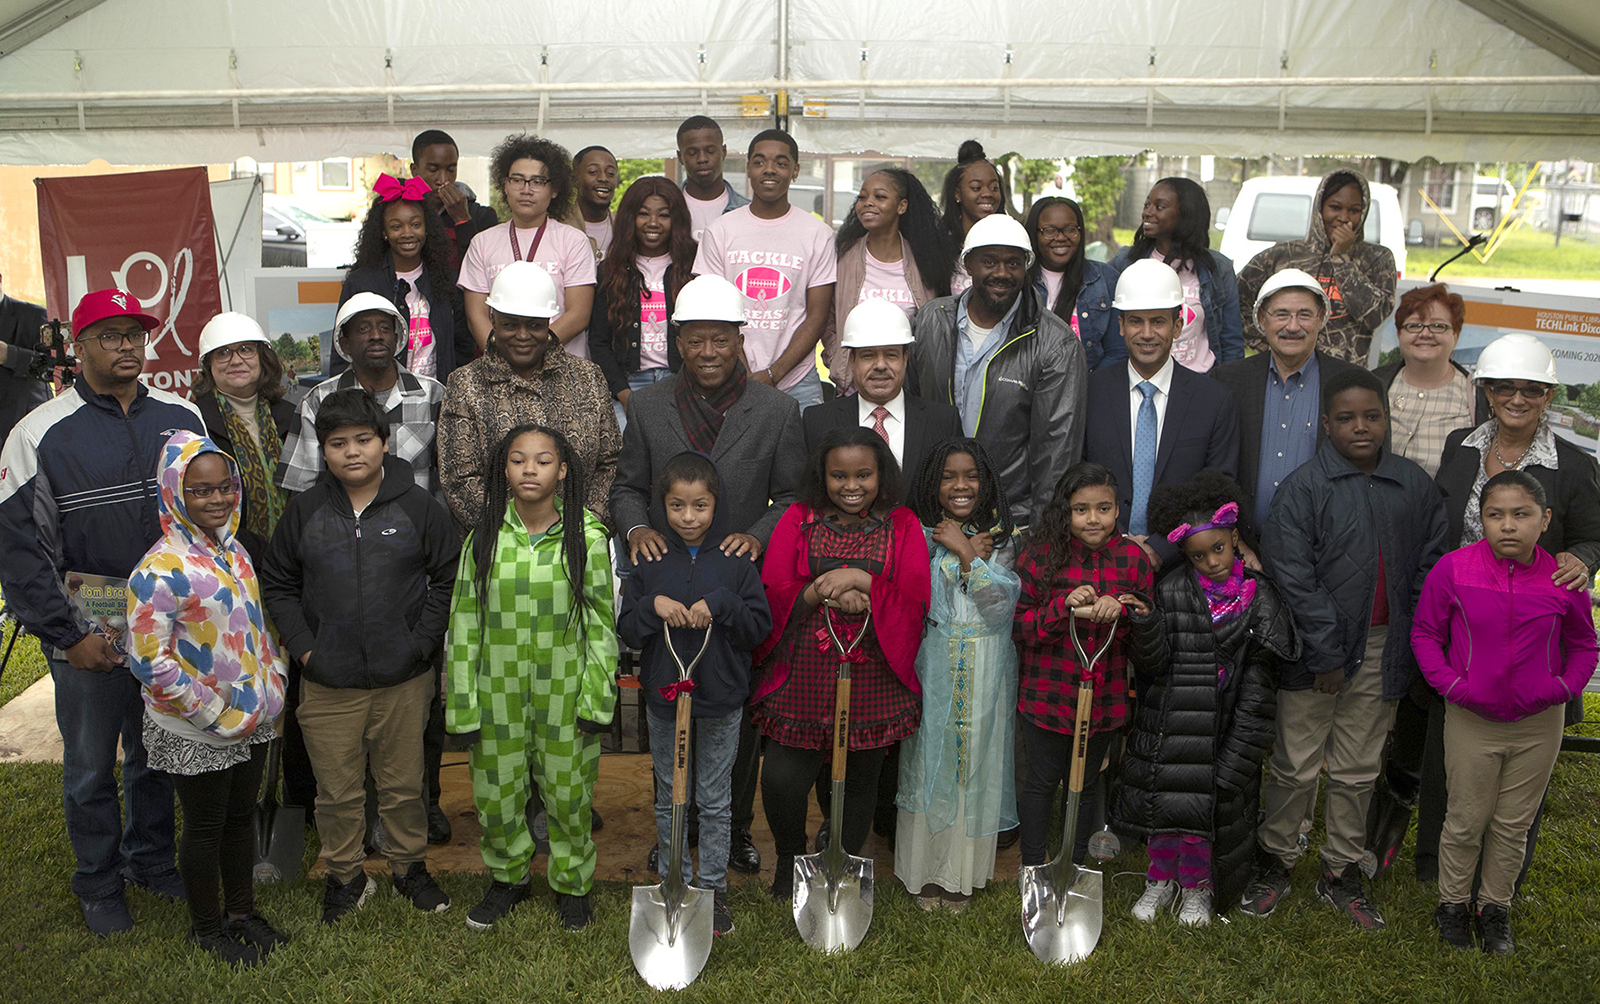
<point>147,232</point>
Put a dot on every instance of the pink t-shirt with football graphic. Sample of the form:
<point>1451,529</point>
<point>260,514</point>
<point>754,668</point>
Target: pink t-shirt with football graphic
<point>886,280</point>
<point>565,254</point>
<point>653,311</point>
<point>773,263</point>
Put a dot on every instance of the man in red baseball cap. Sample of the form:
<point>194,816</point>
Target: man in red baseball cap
<point>78,496</point>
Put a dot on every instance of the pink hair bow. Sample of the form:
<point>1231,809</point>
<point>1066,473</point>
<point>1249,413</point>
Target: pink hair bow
<point>390,188</point>
<point>1226,515</point>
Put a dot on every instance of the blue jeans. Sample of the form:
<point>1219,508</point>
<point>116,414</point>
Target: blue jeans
<point>808,391</point>
<point>94,710</point>
<point>716,740</point>
<point>637,381</point>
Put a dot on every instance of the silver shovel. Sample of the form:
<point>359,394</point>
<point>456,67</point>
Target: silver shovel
<point>833,889</point>
<point>669,932</point>
<point>1063,904</point>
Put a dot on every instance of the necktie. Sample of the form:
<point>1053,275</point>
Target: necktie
<point>878,415</point>
<point>1144,458</point>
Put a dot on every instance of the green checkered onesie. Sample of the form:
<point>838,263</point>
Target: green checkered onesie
<point>525,682</point>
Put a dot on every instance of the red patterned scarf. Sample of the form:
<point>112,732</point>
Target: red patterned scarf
<point>702,415</point>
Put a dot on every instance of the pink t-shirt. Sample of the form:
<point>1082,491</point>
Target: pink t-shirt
<point>421,357</point>
<point>1191,348</point>
<point>960,280</point>
<point>773,263</point>
<point>564,254</point>
<point>1052,289</point>
<point>653,311</point>
<point>702,212</point>
<point>601,235</point>
<point>886,280</point>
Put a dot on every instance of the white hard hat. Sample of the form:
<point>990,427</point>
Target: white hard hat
<point>1292,278</point>
<point>523,289</point>
<point>875,322</point>
<point>1148,284</point>
<point>708,298</point>
<point>360,304</point>
<point>229,328</point>
<point>998,230</point>
<point>1516,356</point>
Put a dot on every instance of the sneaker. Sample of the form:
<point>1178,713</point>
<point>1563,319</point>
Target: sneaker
<point>743,856</point>
<point>576,914</point>
<point>234,953</point>
<point>1157,897</point>
<point>1344,891</point>
<point>497,901</point>
<point>438,825</point>
<point>1494,930</point>
<point>339,898</point>
<point>107,915</point>
<point>783,879</point>
<point>1454,921</point>
<point>1266,889</point>
<point>721,917</point>
<point>419,887</point>
<point>253,929</point>
<point>1194,907</point>
<point>653,862</point>
<point>167,884</point>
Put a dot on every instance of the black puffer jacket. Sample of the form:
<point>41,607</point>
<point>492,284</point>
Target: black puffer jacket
<point>368,596</point>
<point>1193,760</point>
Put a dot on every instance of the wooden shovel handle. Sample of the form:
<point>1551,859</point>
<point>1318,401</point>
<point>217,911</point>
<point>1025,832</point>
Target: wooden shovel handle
<point>1080,737</point>
<point>841,725</point>
<point>680,752</point>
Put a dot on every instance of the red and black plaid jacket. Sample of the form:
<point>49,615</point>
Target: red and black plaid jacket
<point>1048,689</point>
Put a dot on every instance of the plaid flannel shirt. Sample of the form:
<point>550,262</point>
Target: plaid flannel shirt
<point>1049,668</point>
<point>412,405</point>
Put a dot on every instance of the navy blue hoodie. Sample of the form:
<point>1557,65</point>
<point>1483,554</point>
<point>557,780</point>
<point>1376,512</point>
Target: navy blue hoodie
<point>732,590</point>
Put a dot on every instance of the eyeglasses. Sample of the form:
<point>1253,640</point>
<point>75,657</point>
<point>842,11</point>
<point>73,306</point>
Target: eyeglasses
<point>111,341</point>
<point>1051,233</point>
<point>206,491</point>
<point>522,184</point>
<point>244,350</point>
<point>1435,327</point>
<point>1285,316</point>
<point>1506,391</point>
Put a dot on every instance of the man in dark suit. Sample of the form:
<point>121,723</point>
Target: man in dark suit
<point>1152,421</point>
<point>1279,392</point>
<point>878,335</point>
<point>19,345</point>
<point>751,431</point>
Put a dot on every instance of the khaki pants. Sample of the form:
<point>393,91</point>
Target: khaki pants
<point>345,729</point>
<point>1497,773</point>
<point>1344,730</point>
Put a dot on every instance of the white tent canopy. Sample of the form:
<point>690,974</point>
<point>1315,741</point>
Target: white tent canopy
<point>137,81</point>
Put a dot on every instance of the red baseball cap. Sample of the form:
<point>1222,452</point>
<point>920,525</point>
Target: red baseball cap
<point>104,303</point>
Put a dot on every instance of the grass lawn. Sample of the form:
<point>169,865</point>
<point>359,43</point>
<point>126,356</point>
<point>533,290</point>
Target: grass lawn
<point>26,664</point>
<point>1525,254</point>
<point>390,952</point>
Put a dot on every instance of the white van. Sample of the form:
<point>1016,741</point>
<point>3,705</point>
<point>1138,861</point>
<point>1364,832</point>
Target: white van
<point>1491,197</point>
<point>1272,210</point>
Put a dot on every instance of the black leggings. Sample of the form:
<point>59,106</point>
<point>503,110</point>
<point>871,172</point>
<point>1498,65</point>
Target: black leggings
<point>1049,760</point>
<point>218,839</point>
<point>787,775</point>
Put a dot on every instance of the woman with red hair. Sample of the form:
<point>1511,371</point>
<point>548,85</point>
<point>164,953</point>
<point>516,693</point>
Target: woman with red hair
<point>650,258</point>
<point>1430,395</point>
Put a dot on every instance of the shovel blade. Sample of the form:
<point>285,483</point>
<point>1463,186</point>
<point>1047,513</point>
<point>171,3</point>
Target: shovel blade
<point>669,947</point>
<point>832,911</point>
<point>1062,925</point>
<point>280,842</point>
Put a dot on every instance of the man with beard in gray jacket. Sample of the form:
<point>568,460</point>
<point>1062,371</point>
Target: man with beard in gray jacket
<point>1014,370</point>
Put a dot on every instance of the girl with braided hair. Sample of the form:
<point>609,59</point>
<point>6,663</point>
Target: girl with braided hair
<point>957,791</point>
<point>532,668</point>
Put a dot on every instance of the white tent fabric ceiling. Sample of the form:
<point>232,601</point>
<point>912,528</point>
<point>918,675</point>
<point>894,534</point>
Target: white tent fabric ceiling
<point>136,81</point>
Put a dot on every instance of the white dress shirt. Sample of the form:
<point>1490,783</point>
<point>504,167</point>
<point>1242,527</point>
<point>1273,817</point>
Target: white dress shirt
<point>894,424</point>
<point>1163,382</point>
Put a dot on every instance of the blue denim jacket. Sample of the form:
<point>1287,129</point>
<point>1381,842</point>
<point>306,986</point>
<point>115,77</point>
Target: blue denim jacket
<point>1097,329</point>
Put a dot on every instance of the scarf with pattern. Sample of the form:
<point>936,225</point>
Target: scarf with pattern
<point>703,415</point>
<point>256,460</point>
<point>1230,598</point>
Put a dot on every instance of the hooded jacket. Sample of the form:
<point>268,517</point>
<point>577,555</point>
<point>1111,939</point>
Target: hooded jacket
<point>1329,524</point>
<point>368,596</point>
<point>1035,396</point>
<point>1360,283</point>
<point>731,587</point>
<point>198,634</point>
<point>1498,638</point>
<point>1193,761</point>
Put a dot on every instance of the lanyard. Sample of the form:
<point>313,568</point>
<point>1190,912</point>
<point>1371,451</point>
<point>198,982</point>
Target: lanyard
<point>538,236</point>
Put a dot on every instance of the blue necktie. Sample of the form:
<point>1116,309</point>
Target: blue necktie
<point>1144,458</point>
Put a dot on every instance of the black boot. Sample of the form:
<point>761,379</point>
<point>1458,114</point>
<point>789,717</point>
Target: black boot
<point>1494,930</point>
<point>743,855</point>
